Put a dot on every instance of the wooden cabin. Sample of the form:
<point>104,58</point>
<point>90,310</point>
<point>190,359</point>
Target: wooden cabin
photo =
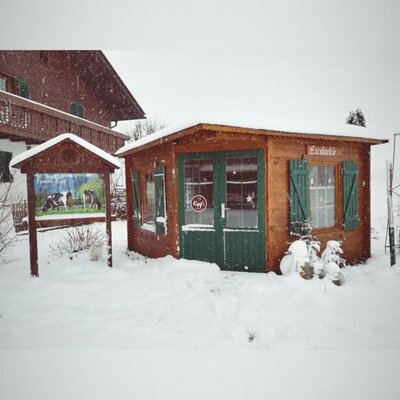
<point>234,196</point>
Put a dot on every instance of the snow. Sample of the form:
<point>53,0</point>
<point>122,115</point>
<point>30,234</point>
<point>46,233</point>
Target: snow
<point>148,227</point>
<point>58,139</point>
<point>274,124</point>
<point>169,304</point>
<point>198,227</point>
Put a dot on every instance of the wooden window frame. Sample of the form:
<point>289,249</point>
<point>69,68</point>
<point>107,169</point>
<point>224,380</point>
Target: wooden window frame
<point>143,204</point>
<point>4,79</point>
<point>11,83</point>
<point>160,208</point>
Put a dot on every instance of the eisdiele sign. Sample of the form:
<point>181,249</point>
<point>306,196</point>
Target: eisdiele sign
<point>323,151</point>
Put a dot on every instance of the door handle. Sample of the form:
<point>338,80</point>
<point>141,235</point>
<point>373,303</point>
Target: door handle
<point>223,209</point>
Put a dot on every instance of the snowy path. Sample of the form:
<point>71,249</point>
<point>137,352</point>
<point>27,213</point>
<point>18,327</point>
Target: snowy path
<point>180,304</point>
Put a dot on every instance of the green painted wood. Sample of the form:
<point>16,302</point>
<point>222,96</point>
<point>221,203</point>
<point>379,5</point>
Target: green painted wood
<point>350,195</point>
<point>299,191</point>
<point>76,109</point>
<point>200,245</point>
<point>244,248</point>
<point>136,198</point>
<point>233,249</point>
<point>244,251</point>
<point>23,88</point>
<point>159,184</point>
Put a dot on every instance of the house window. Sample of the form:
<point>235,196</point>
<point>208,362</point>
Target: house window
<point>314,195</point>
<point>76,109</point>
<point>5,174</point>
<point>22,88</point>
<point>148,200</point>
<point>149,204</point>
<point>322,191</point>
<point>3,84</point>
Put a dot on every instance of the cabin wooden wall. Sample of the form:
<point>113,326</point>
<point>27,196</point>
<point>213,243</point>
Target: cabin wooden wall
<point>143,241</point>
<point>356,244</point>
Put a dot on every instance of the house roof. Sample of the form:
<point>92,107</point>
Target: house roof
<point>97,72</point>
<point>172,133</point>
<point>26,155</point>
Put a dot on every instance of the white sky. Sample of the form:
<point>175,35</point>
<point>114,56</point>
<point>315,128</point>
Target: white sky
<point>302,63</point>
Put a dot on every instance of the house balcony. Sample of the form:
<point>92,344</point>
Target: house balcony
<point>26,120</point>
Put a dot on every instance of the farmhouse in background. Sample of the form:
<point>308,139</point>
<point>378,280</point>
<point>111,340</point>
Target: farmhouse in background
<point>47,93</point>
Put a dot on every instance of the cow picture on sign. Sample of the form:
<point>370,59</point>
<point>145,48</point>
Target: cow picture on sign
<point>198,203</point>
<point>69,193</point>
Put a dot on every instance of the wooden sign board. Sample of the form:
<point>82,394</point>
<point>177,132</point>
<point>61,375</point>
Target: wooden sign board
<point>323,151</point>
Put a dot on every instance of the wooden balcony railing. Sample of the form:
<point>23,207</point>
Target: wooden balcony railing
<point>27,120</point>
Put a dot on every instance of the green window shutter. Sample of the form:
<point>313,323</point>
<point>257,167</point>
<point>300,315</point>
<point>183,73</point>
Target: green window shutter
<point>136,198</point>
<point>76,109</point>
<point>22,88</point>
<point>298,192</point>
<point>5,174</point>
<point>350,196</point>
<point>161,215</point>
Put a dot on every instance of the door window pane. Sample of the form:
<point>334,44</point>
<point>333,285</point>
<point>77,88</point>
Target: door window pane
<point>199,182</point>
<point>322,196</point>
<point>241,192</point>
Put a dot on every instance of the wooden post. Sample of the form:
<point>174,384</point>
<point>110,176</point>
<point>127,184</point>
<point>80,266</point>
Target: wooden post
<point>392,246</point>
<point>32,225</point>
<point>108,218</point>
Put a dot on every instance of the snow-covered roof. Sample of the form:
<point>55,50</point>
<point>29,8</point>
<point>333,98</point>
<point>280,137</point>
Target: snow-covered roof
<point>343,130</point>
<point>58,139</point>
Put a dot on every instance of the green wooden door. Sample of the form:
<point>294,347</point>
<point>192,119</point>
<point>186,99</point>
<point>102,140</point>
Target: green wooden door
<point>221,209</point>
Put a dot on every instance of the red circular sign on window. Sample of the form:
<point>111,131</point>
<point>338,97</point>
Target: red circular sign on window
<point>198,203</point>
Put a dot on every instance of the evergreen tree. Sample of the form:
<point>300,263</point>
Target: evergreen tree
<point>356,118</point>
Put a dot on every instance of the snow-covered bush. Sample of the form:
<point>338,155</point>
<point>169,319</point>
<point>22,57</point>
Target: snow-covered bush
<point>80,238</point>
<point>332,261</point>
<point>303,253</point>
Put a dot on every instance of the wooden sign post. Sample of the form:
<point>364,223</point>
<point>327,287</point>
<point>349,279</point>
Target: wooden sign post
<point>65,154</point>
<point>33,252</point>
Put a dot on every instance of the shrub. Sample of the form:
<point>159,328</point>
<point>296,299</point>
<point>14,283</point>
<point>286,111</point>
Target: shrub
<point>77,239</point>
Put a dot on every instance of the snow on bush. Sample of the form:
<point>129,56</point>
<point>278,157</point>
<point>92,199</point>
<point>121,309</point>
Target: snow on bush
<point>78,239</point>
<point>332,261</point>
<point>304,252</point>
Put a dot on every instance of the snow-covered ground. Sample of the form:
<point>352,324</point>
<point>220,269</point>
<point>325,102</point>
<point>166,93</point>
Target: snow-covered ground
<point>179,304</point>
<point>85,331</point>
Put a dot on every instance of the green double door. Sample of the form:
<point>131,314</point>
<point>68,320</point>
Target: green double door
<point>221,209</point>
